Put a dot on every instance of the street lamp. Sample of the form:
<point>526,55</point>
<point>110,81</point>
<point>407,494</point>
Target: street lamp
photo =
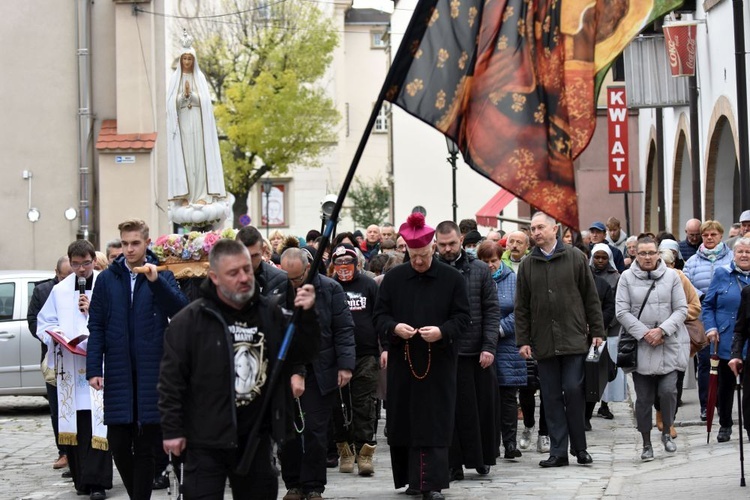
<point>327,205</point>
<point>267,185</point>
<point>452,157</point>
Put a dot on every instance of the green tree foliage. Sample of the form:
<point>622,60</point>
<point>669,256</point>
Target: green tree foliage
<point>370,202</point>
<point>266,67</point>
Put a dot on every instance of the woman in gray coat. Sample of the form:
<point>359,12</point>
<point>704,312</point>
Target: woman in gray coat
<point>663,341</point>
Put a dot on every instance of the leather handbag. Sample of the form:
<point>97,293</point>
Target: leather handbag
<point>627,348</point>
<point>698,338</point>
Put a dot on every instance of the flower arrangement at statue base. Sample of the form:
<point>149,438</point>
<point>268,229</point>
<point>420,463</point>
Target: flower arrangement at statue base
<point>186,255</point>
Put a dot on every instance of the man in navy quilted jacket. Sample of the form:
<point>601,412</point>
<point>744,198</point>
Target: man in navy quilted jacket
<point>127,319</point>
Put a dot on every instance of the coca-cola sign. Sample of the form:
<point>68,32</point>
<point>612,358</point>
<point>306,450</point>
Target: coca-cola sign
<point>680,43</point>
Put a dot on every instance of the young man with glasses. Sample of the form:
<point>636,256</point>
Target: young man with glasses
<point>79,406</point>
<point>303,460</point>
<point>129,313</point>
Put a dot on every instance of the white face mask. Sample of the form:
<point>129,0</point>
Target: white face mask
<point>471,251</point>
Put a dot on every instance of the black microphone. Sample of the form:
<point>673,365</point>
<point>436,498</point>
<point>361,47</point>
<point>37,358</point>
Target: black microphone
<point>82,286</point>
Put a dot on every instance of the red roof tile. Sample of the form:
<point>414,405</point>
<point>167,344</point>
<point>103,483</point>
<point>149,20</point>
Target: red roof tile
<point>110,140</point>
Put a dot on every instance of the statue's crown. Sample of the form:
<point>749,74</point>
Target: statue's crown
<point>186,40</point>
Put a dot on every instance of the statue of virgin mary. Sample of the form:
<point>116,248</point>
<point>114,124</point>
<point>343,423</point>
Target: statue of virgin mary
<point>196,178</point>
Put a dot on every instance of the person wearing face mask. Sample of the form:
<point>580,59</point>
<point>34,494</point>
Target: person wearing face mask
<point>473,446</point>
<point>359,397</point>
<point>510,367</point>
<point>471,241</point>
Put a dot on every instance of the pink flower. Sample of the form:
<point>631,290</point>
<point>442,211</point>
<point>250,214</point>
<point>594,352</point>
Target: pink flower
<point>209,240</point>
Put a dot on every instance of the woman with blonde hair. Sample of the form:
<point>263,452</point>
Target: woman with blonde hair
<point>101,263</point>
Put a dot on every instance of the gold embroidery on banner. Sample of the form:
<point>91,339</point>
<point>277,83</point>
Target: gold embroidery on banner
<point>418,54</point>
<point>546,24</point>
<point>522,28</point>
<point>440,101</point>
<point>540,113</point>
<point>497,96</point>
<point>519,101</point>
<point>415,86</point>
<point>508,13</point>
<point>434,17</point>
<point>442,57</point>
<point>455,4</point>
<point>502,43</point>
<point>472,16</point>
<point>462,60</point>
<point>523,160</point>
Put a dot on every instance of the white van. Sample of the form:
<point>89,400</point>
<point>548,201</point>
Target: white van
<point>20,352</point>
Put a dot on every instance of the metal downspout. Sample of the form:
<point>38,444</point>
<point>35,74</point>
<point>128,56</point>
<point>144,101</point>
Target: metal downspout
<point>742,125</point>
<point>85,116</point>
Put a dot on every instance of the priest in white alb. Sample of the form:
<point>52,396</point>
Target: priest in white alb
<point>81,408</point>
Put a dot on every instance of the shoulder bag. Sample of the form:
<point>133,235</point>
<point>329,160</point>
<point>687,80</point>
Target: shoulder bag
<point>627,348</point>
<point>698,338</point>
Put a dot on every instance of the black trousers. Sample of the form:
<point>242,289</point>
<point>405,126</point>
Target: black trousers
<point>509,416</point>
<point>528,404</point>
<point>91,468</point>
<point>303,459</point>
<point>207,470</point>
<point>726,395</point>
<point>561,381</point>
<point>423,469</point>
<point>133,450</point>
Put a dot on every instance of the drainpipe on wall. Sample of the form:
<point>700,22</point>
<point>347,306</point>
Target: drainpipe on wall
<point>742,128</point>
<point>695,148</point>
<point>660,170</point>
<point>85,116</point>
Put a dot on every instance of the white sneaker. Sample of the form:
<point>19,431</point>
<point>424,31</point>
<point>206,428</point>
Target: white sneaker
<point>542,444</point>
<point>525,441</point>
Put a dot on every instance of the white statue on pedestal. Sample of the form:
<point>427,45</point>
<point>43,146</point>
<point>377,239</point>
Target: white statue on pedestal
<point>196,179</point>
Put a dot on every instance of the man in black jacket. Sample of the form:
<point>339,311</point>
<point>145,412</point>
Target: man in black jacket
<point>359,398</point>
<point>218,353</point>
<point>474,445</point>
<point>41,292</point>
<point>270,279</point>
<point>304,468</point>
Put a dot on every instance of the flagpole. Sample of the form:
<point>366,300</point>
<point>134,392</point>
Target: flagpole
<point>243,466</point>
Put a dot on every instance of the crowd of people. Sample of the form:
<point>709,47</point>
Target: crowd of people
<point>454,334</point>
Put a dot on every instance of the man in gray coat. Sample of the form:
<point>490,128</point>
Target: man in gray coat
<point>556,286</point>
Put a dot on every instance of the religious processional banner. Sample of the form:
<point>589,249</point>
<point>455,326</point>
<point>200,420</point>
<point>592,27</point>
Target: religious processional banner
<point>514,83</point>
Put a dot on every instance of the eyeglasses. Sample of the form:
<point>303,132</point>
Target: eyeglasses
<point>78,265</point>
<point>401,247</point>
<point>299,279</point>
<point>647,254</point>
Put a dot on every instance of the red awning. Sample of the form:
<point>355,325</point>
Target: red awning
<point>487,215</point>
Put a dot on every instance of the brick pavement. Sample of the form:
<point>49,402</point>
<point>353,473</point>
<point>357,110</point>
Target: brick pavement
<point>695,470</point>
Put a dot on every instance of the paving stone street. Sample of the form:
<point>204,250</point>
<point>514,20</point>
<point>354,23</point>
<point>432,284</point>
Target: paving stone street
<point>696,470</point>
